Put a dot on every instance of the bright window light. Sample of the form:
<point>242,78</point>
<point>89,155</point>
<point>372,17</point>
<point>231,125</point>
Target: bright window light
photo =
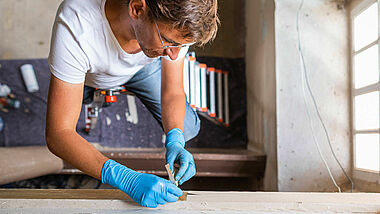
<point>366,27</point>
<point>367,151</point>
<point>367,111</point>
<point>367,67</point>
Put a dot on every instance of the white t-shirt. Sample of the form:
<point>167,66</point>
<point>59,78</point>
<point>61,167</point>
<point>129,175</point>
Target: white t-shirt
<point>84,48</point>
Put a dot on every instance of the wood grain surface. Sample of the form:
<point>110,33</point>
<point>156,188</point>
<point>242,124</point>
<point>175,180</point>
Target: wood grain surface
<point>115,201</point>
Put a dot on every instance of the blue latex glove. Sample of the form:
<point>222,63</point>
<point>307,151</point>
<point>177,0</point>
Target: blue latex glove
<point>146,189</point>
<point>176,153</point>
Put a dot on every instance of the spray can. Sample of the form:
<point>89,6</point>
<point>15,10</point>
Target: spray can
<point>29,77</point>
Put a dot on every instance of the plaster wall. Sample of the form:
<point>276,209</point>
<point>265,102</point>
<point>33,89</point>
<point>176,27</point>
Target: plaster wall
<point>324,40</point>
<point>25,28</point>
<point>261,85</point>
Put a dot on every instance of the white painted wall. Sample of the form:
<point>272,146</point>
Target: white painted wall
<point>25,28</point>
<point>277,121</point>
<point>324,37</point>
<point>261,85</point>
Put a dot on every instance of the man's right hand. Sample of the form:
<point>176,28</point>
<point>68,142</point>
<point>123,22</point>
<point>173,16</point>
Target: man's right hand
<point>146,189</point>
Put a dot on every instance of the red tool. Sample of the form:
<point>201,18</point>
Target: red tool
<point>102,98</point>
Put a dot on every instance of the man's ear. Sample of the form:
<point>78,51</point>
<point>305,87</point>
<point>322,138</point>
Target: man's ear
<point>137,8</point>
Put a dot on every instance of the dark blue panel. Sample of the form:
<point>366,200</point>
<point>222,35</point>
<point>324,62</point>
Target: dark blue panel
<point>25,126</point>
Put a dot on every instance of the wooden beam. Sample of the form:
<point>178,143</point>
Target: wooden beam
<point>115,201</point>
<point>109,194</point>
<point>209,162</point>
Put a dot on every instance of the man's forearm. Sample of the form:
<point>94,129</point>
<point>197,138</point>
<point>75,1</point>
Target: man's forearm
<point>74,149</point>
<point>173,111</point>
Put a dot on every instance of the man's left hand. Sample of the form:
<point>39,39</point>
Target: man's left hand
<point>176,153</point>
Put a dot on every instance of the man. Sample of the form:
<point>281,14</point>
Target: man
<point>137,43</point>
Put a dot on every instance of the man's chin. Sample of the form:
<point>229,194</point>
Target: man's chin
<point>151,54</point>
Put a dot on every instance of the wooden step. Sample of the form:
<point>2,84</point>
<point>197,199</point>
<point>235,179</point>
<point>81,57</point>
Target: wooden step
<point>209,162</point>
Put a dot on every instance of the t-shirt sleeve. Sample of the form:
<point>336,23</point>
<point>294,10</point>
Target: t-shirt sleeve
<point>182,53</point>
<point>67,60</point>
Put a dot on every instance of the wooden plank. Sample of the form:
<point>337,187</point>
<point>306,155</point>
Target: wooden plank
<point>113,201</point>
<point>209,162</point>
<point>97,194</point>
<point>198,153</point>
<point>183,197</point>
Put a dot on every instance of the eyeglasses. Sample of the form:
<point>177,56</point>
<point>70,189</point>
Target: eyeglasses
<point>171,46</point>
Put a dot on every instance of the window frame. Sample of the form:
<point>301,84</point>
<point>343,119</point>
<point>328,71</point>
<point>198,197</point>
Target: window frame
<point>358,173</point>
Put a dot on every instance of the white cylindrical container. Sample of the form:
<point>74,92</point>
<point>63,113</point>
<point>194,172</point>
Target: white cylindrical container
<point>29,77</point>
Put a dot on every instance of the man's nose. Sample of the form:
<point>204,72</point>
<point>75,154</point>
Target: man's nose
<point>172,52</point>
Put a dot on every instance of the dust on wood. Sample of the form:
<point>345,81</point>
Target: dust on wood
<point>183,197</point>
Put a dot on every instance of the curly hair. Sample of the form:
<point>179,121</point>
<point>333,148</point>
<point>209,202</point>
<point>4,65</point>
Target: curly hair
<point>197,20</point>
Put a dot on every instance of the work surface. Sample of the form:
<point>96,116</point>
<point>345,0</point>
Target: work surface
<point>115,201</point>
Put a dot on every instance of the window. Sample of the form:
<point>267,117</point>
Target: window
<point>366,90</point>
